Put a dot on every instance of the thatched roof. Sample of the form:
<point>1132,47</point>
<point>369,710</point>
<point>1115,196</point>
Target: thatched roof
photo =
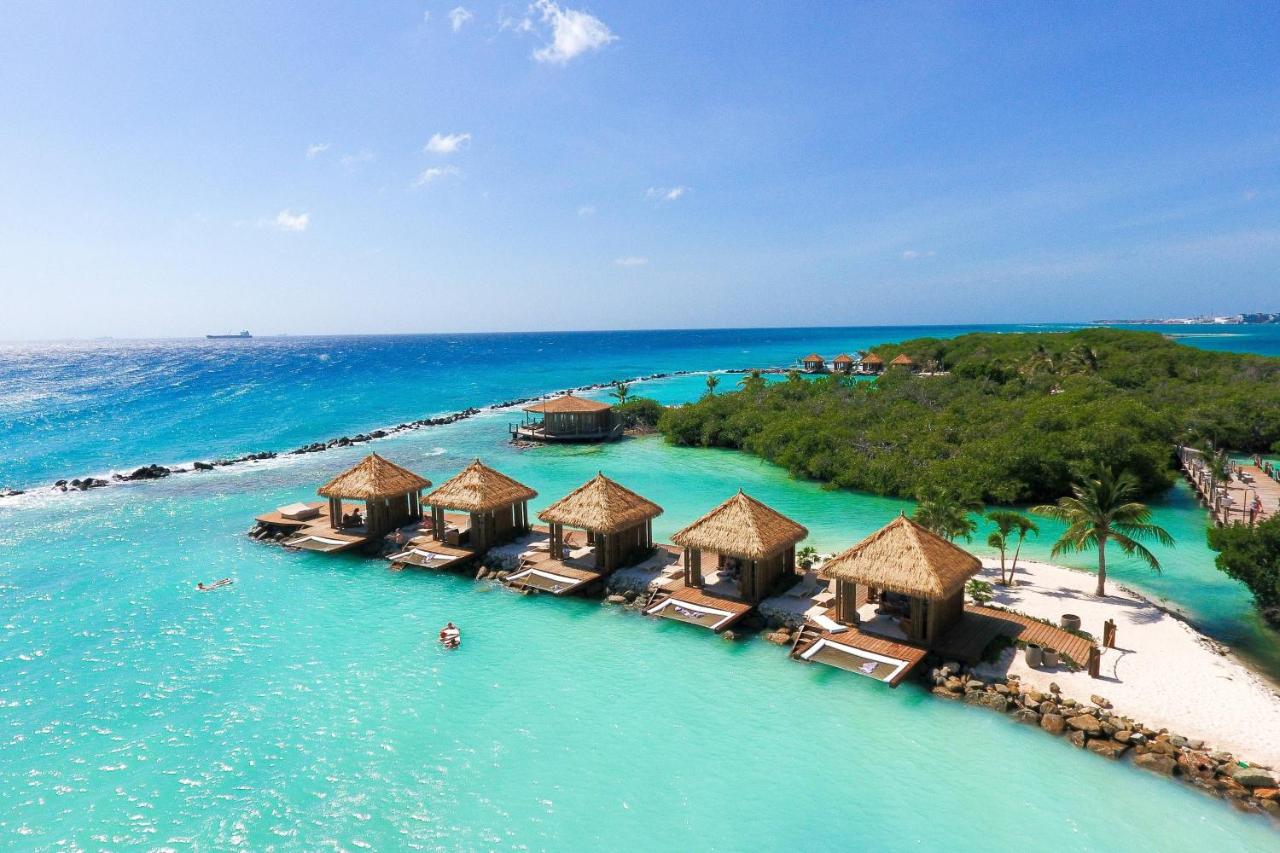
<point>742,527</point>
<point>373,477</point>
<point>567,404</point>
<point>813,356</point>
<point>904,557</point>
<point>601,505</point>
<point>902,360</point>
<point>872,358</point>
<point>842,358</point>
<point>479,488</point>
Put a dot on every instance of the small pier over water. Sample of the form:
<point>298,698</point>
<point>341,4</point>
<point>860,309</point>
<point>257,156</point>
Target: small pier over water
<point>1244,493</point>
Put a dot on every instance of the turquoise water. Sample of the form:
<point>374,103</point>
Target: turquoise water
<point>307,706</point>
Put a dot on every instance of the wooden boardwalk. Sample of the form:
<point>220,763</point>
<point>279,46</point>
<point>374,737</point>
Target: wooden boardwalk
<point>1233,501</point>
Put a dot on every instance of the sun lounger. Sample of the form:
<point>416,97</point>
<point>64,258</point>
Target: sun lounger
<point>298,512</point>
<point>829,625</point>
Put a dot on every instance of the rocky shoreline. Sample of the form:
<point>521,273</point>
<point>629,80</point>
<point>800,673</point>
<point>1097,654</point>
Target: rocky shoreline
<point>155,472</point>
<point>1102,730</point>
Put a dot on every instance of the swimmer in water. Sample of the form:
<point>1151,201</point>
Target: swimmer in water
<point>215,585</point>
<point>450,636</point>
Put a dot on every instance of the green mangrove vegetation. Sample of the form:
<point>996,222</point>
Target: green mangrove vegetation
<point>1001,418</point>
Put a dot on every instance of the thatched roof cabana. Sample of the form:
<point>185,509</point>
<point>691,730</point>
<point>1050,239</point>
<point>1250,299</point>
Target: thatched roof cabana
<point>568,404</point>
<point>755,547</point>
<point>568,418</point>
<point>601,506</point>
<point>373,477</point>
<point>619,523</point>
<point>905,558</point>
<point>902,360</point>
<point>391,495</point>
<point>842,358</point>
<point>479,488</point>
<point>742,527</point>
<point>498,505</point>
<point>872,360</point>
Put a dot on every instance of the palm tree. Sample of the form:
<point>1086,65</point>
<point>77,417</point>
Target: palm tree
<point>1102,509</point>
<point>946,513</point>
<point>1009,523</point>
<point>752,381</point>
<point>621,390</point>
<point>712,382</point>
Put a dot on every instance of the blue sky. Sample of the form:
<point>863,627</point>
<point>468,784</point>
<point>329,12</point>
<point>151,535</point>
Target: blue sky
<point>173,169</point>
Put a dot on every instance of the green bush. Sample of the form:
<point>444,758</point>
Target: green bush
<point>639,413</point>
<point>1251,555</point>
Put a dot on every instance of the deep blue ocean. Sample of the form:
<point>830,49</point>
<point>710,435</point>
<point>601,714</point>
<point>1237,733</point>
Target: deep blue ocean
<point>309,708</point>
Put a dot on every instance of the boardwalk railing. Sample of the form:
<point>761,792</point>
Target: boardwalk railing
<point>1247,494</point>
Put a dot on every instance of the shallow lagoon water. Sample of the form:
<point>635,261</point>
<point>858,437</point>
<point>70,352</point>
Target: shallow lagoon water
<point>308,706</point>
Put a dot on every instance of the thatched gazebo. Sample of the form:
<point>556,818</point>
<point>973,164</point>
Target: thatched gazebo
<point>498,505</point>
<point>392,495</point>
<point>872,363</point>
<point>568,418</point>
<point>920,574</point>
<point>903,360</point>
<point>843,363</point>
<point>761,542</point>
<point>619,523</point>
<point>814,363</point>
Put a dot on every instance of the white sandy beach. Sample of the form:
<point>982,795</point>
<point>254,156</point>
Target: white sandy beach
<point>1162,673</point>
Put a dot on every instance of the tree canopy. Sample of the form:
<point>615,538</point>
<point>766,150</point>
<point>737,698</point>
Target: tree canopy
<point>1016,418</point>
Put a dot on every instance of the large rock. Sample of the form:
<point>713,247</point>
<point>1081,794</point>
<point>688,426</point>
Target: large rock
<point>1255,777</point>
<point>1197,765</point>
<point>945,693</point>
<point>1156,763</point>
<point>1077,738</point>
<point>1107,748</point>
<point>994,701</point>
<point>1085,723</point>
<point>1026,715</point>
<point>1267,793</point>
<point>1053,723</point>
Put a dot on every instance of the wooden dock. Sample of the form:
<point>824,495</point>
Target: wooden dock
<point>696,606</point>
<point>1248,495</point>
<point>980,625</point>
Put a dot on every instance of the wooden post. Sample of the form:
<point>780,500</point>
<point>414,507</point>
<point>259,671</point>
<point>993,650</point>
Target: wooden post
<point>1095,662</point>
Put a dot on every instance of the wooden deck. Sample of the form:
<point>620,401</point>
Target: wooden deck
<point>424,552</point>
<point>695,606</point>
<point>316,534</point>
<point>862,654</point>
<point>980,625</point>
<point>540,571</point>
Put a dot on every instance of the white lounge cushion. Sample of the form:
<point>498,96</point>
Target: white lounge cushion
<point>298,512</point>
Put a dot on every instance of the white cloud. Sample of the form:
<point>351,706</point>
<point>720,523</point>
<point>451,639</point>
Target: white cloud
<point>912,254</point>
<point>458,17</point>
<point>434,174</point>
<point>665,193</point>
<point>446,143</point>
<point>316,150</point>
<point>572,32</point>
<point>631,261</point>
<point>287,220</point>
<point>587,210</point>
<point>426,17</point>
